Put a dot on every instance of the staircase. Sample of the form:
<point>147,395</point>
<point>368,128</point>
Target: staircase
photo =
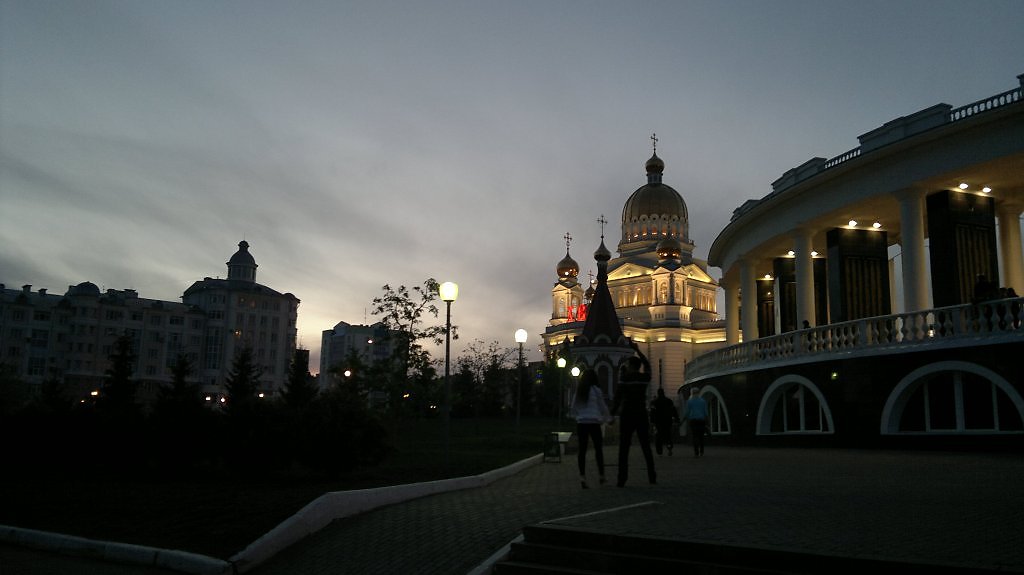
<point>555,550</point>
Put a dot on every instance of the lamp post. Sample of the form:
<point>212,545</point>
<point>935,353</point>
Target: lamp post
<point>561,375</point>
<point>520,339</point>
<point>448,292</point>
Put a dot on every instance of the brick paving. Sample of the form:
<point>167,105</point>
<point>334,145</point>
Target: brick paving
<point>948,508</point>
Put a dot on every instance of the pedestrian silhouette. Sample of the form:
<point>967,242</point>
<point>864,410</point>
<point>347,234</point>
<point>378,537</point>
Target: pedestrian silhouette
<point>665,416</point>
<point>591,412</point>
<point>630,404</point>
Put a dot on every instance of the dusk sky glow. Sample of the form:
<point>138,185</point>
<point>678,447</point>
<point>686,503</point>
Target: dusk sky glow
<point>360,144</point>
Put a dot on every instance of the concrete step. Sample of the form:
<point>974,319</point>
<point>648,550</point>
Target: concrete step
<point>560,550</point>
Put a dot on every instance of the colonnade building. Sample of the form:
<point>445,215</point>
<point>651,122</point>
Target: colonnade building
<point>868,296</point>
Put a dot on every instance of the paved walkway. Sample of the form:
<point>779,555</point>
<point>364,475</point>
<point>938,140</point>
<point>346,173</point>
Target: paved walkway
<point>949,508</point>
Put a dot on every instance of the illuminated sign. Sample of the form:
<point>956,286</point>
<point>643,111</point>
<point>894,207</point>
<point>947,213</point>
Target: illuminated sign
<point>576,312</point>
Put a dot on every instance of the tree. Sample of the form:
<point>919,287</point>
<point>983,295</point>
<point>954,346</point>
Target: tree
<point>180,419</point>
<point>402,312</point>
<point>242,382</point>
<point>300,390</point>
<point>249,438</point>
<point>120,426</point>
<point>118,394</point>
<point>14,392</point>
<point>181,393</point>
<point>485,362</point>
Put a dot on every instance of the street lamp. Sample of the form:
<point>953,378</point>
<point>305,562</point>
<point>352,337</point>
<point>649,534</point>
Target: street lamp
<point>561,375</point>
<point>448,292</point>
<point>520,339</point>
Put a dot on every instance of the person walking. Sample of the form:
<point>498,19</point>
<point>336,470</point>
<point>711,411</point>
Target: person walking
<point>591,413</point>
<point>665,418</point>
<point>630,404</point>
<point>697,416</point>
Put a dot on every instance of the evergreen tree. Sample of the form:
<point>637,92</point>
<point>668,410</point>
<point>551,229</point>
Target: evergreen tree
<point>242,382</point>
<point>300,390</point>
<point>181,392</point>
<point>118,394</point>
<point>180,420</point>
<point>14,392</point>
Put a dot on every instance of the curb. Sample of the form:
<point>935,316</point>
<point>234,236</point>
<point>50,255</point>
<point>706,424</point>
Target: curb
<point>340,504</point>
<point>182,561</point>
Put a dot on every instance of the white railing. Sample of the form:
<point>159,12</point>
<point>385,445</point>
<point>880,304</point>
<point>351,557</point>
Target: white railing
<point>1007,97</point>
<point>963,112</point>
<point>974,324</point>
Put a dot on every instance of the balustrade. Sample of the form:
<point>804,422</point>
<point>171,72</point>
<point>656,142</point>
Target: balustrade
<point>976,322</point>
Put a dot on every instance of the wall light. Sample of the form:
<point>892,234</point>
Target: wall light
<point>986,189</point>
<point>790,253</point>
<point>876,225</point>
<point>767,276</point>
<point>814,254</point>
<point>963,185</point>
<point>853,223</point>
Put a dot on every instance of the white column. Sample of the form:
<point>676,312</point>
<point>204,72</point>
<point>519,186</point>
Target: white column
<point>748,287</point>
<point>1012,264</point>
<point>804,278</point>
<point>915,275</point>
<point>732,311</point>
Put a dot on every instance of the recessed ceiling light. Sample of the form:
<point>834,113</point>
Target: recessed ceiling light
<point>963,186</point>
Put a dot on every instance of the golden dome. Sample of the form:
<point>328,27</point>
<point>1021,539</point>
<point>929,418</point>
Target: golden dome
<point>567,268</point>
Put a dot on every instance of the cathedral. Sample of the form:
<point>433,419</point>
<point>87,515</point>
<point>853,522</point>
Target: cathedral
<point>661,297</point>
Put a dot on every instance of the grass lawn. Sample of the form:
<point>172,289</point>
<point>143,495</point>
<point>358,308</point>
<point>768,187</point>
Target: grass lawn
<point>221,514</point>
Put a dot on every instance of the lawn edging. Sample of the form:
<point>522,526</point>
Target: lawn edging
<point>75,546</point>
<point>340,504</point>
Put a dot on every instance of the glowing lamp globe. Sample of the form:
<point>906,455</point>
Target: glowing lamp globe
<point>448,291</point>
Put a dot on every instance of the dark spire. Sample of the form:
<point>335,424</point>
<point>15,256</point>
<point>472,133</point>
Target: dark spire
<point>602,324</point>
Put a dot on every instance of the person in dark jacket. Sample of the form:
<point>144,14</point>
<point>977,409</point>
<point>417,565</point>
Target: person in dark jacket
<point>630,405</point>
<point>666,418</point>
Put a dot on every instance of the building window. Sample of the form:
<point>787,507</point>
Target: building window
<point>36,365</point>
<point>41,316</point>
<point>177,320</point>
<point>40,338</point>
<point>793,405</point>
<point>953,398</point>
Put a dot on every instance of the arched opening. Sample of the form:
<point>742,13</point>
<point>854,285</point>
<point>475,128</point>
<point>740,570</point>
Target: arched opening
<point>953,397</point>
<point>718,415</point>
<point>794,405</point>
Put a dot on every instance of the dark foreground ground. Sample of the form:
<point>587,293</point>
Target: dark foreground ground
<point>926,507</point>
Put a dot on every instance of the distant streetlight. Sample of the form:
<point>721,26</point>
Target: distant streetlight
<point>448,292</point>
<point>520,339</point>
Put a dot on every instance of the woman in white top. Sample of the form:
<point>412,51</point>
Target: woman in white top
<point>591,412</point>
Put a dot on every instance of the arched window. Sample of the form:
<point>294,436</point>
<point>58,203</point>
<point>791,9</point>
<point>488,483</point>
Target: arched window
<point>718,415</point>
<point>953,397</point>
<point>792,404</point>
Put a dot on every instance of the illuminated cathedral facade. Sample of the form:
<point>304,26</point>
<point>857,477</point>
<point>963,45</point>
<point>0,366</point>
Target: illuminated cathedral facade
<point>664,298</point>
